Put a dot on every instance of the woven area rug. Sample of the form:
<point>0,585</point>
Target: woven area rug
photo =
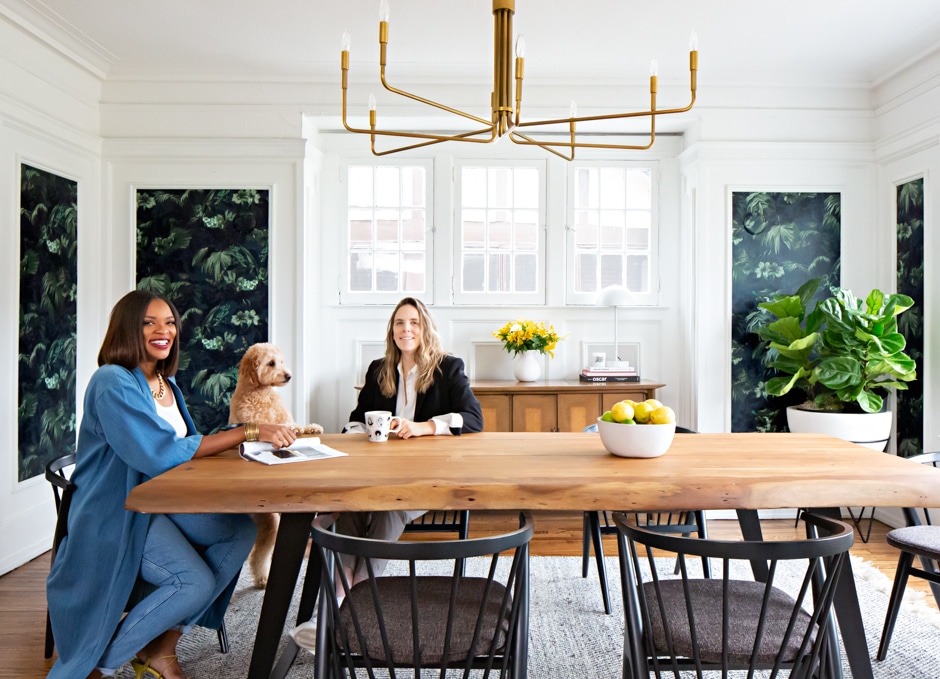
<point>571,637</point>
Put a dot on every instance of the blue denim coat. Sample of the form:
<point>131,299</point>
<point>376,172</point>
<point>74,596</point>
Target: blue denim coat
<point>122,442</point>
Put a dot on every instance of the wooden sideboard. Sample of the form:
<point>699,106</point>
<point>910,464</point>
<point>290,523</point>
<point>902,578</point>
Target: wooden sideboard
<point>552,405</point>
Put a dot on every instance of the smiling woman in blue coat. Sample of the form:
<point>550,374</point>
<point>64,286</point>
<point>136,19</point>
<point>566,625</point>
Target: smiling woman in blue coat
<point>177,570</point>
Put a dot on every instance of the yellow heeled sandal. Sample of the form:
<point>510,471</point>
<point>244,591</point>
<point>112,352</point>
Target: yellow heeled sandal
<point>143,670</point>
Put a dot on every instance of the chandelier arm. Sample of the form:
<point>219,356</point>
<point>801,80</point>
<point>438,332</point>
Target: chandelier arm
<point>532,142</point>
<point>545,144</point>
<point>437,139</point>
<point>428,102</point>
<point>434,138</point>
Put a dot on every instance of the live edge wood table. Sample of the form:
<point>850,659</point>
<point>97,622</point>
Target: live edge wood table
<point>540,471</point>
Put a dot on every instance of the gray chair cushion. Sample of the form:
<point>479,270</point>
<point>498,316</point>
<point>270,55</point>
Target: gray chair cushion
<point>744,609</point>
<point>920,540</point>
<point>434,602</point>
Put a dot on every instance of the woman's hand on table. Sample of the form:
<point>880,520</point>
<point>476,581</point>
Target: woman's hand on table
<point>409,429</point>
<point>278,435</point>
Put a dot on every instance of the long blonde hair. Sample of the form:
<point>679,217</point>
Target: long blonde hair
<point>428,357</point>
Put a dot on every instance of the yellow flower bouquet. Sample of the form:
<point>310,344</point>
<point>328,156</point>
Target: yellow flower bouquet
<point>521,335</point>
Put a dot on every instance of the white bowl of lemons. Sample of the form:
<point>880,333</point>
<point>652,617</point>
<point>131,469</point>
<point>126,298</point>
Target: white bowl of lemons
<point>631,429</point>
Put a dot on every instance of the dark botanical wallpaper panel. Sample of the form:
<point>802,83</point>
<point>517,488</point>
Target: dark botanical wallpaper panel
<point>47,319</point>
<point>911,323</point>
<point>207,251</point>
<point>779,241</point>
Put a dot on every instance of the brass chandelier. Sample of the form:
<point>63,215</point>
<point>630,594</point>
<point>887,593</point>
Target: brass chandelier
<point>506,119</point>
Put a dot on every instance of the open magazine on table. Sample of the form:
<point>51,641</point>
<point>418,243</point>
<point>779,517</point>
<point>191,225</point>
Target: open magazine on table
<point>303,449</point>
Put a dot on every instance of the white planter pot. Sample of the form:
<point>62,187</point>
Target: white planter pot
<point>871,430</point>
<point>527,368</point>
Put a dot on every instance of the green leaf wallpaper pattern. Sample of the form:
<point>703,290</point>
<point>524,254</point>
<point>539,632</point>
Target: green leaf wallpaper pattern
<point>207,251</point>
<point>911,324</point>
<point>47,319</point>
<point>779,241</point>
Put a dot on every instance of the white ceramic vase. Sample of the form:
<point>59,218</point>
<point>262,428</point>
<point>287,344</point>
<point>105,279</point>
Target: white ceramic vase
<point>528,368</point>
<point>871,430</point>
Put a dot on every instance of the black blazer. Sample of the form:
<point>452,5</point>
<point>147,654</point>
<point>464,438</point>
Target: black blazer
<point>449,393</point>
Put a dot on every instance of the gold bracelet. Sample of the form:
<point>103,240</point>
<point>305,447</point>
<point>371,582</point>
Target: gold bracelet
<point>251,432</point>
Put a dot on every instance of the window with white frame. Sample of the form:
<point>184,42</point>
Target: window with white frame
<point>500,233</point>
<point>612,230</point>
<point>389,253</point>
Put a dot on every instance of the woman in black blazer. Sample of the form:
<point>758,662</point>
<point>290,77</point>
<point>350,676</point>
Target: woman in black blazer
<point>428,389</point>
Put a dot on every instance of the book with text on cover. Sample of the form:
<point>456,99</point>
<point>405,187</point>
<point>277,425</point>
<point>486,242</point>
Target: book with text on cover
<point>307,448</point>
<point>608,378</point>
<point>609,372</point>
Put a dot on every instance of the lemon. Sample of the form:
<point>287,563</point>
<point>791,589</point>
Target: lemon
<point>653,402</point>
<point>629,402</point>
<point>607,417</point>
<point>641,412</point>
<point>621,412</point>
<point>662,415</point>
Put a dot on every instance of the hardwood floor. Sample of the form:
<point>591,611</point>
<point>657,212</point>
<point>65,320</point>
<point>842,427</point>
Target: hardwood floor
<point>23,604</point>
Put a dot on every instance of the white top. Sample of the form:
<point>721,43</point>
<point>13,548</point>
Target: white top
<point>172,414</point>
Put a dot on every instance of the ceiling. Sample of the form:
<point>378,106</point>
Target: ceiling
<point>849,42</point>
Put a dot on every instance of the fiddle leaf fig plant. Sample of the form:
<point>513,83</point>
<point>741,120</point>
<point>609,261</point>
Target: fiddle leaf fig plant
<point>845,353</point>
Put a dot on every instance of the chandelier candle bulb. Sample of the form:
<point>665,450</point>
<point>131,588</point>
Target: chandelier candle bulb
<point>693,41</point>
<point>383,11</point>
<point>520,46</point>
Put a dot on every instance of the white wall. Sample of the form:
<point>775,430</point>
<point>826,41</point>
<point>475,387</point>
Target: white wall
<point>47,112</point>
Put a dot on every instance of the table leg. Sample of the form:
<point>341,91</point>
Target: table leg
<point>288,556</point>
<point>849,614</point>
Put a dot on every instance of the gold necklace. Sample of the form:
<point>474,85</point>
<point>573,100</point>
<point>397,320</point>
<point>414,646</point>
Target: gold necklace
<point>159,394</point>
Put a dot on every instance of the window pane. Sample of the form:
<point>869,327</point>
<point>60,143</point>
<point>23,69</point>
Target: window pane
<point>412,186</point>
<point>612,230</point>
<point>360,186</point>
<point>472,273</point>
<point>527,188</point>
<point>412,228</point>
<point>500,187</point>
<point>386,228</point>
<point>386,272</point>
<point>500,276</point>
<point>639,191</point>
<point>412,268</point>
<point>474,229</point>
<point>611,270</point>
<point>473,187</point>
<point>360,272</point>
<point>638,239</point>
<point>499,230</point>
<point>526,231</point>
<point>585,228</point>
<point>638,273</point>
<point>360,228</point>
<point>612,188</point>
<point>585,272</point>
<point>387,187</point>
<point>526,273</point>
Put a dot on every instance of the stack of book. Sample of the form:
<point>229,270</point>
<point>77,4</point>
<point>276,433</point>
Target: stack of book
<point>618,374</point>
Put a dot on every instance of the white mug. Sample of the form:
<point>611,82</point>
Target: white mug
<point>379,423</point>
<point>599,359</point>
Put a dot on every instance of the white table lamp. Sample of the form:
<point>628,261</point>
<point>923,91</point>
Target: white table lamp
<point>615,296</point>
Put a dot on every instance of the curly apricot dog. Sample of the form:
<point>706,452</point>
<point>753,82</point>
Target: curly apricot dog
<point>262,368</point>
